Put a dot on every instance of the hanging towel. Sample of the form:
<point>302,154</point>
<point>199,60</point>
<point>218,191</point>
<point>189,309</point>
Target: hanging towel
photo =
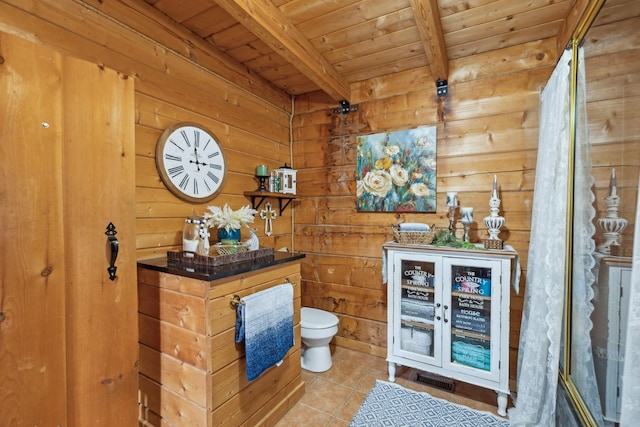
<point>265,324</point>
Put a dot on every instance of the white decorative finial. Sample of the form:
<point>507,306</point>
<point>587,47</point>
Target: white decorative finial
<point>494,221</point>
<point>611,225</point>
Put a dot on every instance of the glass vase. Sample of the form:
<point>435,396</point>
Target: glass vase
<point>225,235</point>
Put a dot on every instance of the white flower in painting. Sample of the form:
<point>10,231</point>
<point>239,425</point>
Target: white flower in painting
<point>422,141</point>
<point>399,175</point>
<point>420,189</point>
<point>427,162</point>
<point>391,150</point>
<point>377,182</point>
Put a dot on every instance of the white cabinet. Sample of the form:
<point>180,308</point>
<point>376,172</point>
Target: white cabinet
<point>448,313</point>
<point>609,317</point>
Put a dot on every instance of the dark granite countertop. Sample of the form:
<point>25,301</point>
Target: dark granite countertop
<point>209,273</point>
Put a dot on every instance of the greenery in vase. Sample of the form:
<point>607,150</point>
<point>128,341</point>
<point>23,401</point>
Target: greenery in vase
<point>229,219</point>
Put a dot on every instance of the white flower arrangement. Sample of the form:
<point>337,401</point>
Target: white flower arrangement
<point>229,219</point>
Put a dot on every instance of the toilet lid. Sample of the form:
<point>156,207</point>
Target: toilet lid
<point>313,318</point>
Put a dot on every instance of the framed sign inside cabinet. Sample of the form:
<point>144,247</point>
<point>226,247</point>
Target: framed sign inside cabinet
<point>190,162</point>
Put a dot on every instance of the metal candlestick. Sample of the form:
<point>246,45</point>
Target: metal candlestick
<point>466,230</point>
<point>466,218</point>
<point>262,180</point>
<point>452,217</point>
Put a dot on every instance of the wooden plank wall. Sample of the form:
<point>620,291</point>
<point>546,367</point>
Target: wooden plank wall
<point>250,118</point>
<point>487,125</point>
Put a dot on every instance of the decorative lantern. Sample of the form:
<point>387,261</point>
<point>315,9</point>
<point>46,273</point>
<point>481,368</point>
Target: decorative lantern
<point>287,179</point>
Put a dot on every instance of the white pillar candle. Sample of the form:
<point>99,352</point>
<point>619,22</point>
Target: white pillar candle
<point>466,214</point>
<point>613,185</point>
<point>190,245</point>
<point>494,193</point>
<point>452,199</point>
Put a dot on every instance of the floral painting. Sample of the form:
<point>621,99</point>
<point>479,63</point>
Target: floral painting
<point>396,171</point>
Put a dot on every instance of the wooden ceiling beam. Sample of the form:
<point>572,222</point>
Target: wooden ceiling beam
<point>427,16</point>
<point>266,21</point>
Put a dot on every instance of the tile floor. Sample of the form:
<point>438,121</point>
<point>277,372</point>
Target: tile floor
<point>332,398</point>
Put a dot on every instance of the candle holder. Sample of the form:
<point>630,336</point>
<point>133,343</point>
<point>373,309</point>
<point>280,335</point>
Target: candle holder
<point>452,204</point>
<point>452,217</point>
<point>263,180</point>
<point>466,219</point>
<point>494,222</point>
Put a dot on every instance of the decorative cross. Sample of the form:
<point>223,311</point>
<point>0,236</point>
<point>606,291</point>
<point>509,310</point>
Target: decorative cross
<point>268,215</point>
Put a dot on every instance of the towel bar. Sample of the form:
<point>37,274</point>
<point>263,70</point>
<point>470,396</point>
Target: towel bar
<point>235,299</point>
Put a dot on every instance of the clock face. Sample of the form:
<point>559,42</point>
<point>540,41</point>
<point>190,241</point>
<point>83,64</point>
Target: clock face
<point>190,162</point>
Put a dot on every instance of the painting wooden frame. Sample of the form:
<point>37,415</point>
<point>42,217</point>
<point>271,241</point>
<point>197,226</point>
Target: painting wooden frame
<point>396,171</point>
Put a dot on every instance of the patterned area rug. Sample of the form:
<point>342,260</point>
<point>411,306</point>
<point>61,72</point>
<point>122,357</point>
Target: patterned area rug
<point>389,404</point>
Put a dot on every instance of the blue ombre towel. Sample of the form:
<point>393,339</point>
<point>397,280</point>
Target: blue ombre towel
<point>265,324</point>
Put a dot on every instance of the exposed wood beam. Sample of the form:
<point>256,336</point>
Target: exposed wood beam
<point>427,16</point>
<point>266,21</point>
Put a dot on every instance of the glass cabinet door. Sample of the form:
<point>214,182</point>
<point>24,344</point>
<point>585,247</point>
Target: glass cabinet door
<point>472,319</point>
<point>416,302</point>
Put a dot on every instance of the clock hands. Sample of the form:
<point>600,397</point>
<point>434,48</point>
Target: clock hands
<point>197,162</point>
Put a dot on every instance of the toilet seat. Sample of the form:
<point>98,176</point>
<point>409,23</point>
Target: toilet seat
<point>312,318</point>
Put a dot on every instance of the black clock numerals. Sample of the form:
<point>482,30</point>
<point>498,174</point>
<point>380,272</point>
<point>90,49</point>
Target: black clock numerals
<point>176,145</point>
<point>196,138</point>
<point>186,138</point>
<point>216,154</point>
<point>175,171</point>
<point>172,157</point>
<point>215,166</point>
<point>213,177</point>
<point>206,145</point>
<point>195,187</point>
<point>185,181</point>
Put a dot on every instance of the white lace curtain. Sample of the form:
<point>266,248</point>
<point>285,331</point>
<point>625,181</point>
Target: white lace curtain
<point>630,413</point>
<point>541,330</point>
<point>584,246</point>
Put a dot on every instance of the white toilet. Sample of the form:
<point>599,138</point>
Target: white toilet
<point>318,328</point>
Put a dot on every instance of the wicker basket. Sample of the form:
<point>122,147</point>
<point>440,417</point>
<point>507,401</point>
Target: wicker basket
<point>414,237</point>
<point>240,248</point>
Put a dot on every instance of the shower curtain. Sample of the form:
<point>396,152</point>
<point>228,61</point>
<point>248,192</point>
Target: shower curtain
<point>540,334</point>
<point>582,370</point>
<point>630,413</point>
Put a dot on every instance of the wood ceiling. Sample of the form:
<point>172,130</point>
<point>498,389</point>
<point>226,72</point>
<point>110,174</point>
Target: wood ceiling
<point>302,46</point>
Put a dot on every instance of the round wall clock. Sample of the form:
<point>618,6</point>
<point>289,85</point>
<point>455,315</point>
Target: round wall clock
<point>190,162</point>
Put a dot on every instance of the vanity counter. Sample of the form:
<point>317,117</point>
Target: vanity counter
<point>210,273</point>
<point>192,373</point>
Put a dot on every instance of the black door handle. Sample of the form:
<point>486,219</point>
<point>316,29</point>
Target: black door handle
<point>113,243</point>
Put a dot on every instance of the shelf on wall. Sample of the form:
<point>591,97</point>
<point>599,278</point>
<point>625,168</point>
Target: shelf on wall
<point>261,195</point>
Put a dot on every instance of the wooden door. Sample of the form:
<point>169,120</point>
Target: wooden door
<point>99,188</point>
<point>32,270</point>
<point>68,341</point>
